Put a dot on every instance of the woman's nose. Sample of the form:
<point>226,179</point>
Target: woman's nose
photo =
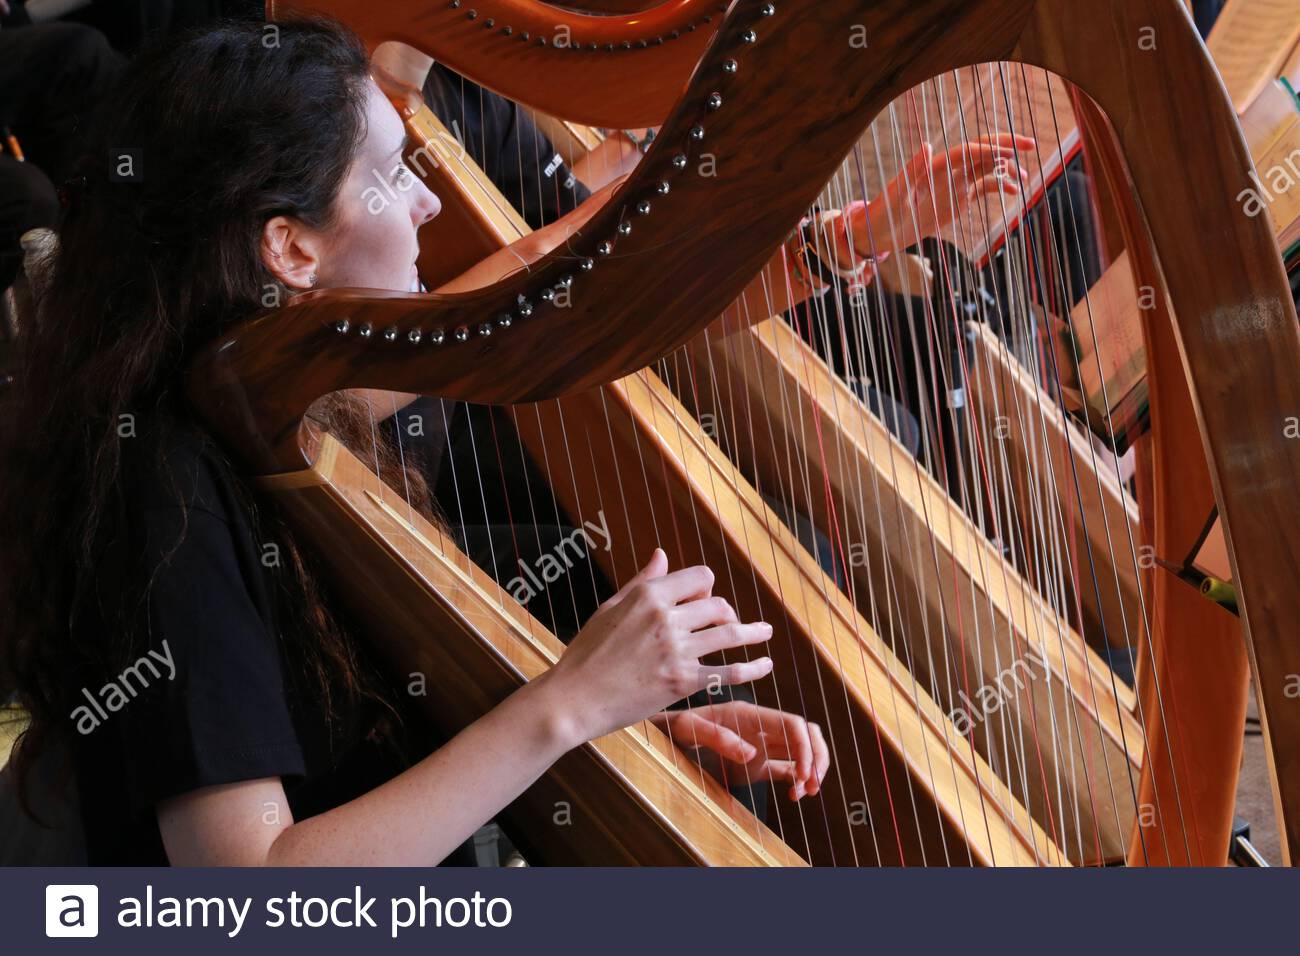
<point>427,205</point>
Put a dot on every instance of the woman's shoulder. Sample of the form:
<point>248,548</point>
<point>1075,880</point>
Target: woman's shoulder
<point>180,467</point>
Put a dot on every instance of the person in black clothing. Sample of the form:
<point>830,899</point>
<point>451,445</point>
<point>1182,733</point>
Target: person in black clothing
<point>166,631</point>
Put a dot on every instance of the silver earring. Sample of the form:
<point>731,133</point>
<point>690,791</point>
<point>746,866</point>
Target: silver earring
<point>311,279</point>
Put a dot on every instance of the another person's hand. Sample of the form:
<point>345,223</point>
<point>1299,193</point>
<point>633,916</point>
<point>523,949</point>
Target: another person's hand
<point>906,274</point>
<point>753,743</point>
<point>641,650</point>
<point>936,189</point>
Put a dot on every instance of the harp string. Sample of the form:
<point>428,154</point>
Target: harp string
<point>988,485</point>
<point>1052,563</point>
<point>1043,563</point>
<point>1035,263</point>
<point>968,492</point>
<point>903,344</point>
<point>823,325</point>
<point>730,424</point>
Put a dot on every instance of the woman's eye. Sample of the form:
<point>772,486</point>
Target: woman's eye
<point>401,173</point>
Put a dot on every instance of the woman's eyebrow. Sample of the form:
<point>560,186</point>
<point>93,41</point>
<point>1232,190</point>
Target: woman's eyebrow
<point>402,147</point>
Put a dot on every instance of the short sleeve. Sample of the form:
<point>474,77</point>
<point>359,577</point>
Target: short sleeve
<point>203,702</point>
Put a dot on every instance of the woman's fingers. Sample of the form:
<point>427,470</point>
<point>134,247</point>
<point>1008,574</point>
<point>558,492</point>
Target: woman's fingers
<point>1015,141</point>
<point>704,612</point>
<point>726,636</point>
<point>691,729</point>
<point>685,585</point>
<point>656,567</point>
<point>975,162</point>
<point>992,185</point>
<point>786,770</point>
<point>741,672</point>
<point>821,756</point>
<point>785,735</point>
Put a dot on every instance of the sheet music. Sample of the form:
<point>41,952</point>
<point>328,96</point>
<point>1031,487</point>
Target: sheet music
<point>1251,43</point>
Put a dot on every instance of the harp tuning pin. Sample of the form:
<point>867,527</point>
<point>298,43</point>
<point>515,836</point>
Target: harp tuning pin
<point>588,265</point>
<point>485,329</point>
<point>508,30</point>
<point>489,23</point>
<point>627,44</point>
<point>715,101</point>
<point>461,333</point>
<point>605,248</point>
<point>390,334</point>
<point>547,295</point>
<point>643,207</point>
<point>525,36</point>
<point>749,36</point>
<point>364,330</point>
<point>414,336</point>
<point>505,320</point>
<point>679,161</point>
<point>565,282</point>
<point>663,188</point>
<point>730,66</point>
<point>697,133</point>
<point>455,4</point>
<point>473,14</point>
<point>437,337</point>
<point>643,43</point>
<point>624,228</point>
<point>341,326</point>
<point>524,308</point>
<point>768,10</point>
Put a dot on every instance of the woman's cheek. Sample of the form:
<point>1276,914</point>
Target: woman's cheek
<point>387,247</point>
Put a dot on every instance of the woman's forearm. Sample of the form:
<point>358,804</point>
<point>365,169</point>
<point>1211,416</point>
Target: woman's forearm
<point>423,814</point>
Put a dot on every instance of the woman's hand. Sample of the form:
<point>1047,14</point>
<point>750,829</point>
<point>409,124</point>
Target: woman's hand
<point>935,190</point>
<point>641,651</point>
<point>753,743</point>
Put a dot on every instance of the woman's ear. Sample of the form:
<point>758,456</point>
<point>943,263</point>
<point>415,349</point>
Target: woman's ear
<point>291,252</point>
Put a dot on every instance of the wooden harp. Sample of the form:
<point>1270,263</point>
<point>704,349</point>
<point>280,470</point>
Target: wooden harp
<point>253,389</point>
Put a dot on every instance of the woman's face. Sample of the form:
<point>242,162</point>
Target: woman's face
<point>372,242</point>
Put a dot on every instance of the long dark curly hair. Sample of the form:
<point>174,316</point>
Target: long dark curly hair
<point>230,126</point>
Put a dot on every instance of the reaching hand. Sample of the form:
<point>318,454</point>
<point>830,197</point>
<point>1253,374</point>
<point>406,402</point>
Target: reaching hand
<point>754,743</point>
<point>935,190</point>
<point>641,651</point>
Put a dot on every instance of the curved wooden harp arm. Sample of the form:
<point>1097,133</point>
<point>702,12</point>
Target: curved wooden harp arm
<point>578,62</point>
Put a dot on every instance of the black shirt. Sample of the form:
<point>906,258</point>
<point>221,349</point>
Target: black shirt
<point>198,693</point>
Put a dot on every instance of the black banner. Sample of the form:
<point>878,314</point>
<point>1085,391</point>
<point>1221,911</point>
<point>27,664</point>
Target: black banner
<point>519,911</point>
